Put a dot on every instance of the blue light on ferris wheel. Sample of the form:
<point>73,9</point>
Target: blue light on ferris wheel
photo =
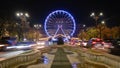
<point>53,15</point>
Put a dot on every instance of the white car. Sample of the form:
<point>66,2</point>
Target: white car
<point>108,45</point>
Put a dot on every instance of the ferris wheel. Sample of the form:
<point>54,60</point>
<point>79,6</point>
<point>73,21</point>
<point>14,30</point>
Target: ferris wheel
<point>59,22</point>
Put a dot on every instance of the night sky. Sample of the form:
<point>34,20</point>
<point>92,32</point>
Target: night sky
<point>80,9</point>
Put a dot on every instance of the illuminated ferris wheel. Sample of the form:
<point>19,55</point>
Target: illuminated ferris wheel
<point>60,22</point>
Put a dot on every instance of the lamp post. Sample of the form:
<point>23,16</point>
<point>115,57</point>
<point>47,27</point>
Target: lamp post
<point>100,28</point>
<point>24,24</point>
<point>96,18</point>
<point>37,29</point>
<point>37,26</point>
<point>83,31</point>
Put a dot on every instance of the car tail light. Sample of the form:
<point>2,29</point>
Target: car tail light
<point>98,39</point>
<point>93,42</point>
<point>103,42</point>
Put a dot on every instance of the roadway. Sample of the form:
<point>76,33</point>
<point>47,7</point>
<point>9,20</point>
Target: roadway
<point>8,54</point>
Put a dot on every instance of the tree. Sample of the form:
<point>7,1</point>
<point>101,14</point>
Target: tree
<point>115,31</point>
<point>91,32</point>
<point>106,32</point>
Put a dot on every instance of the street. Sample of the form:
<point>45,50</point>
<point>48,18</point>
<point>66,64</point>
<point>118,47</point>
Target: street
<point>9,54</point>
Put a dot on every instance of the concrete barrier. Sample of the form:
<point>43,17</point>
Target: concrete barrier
<point>1,66</point>
<point>104,58</point>
<point>16,61</point>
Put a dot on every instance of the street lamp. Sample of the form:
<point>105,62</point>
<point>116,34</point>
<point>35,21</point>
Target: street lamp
<point>37,29</point>
<point>37,26</point>
<point>96,17</point>
<point>103,22</point>
<point>24,24</point>
<point>84,25</point>
<point>82,31</point>
<point>101,28</point>
<point>23,16</point>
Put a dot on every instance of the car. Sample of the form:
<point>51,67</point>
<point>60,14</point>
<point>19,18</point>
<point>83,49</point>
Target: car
<point>117,43</point>
<point>84,43</point>
<point>77,42</point>
<point>41,42</point>
<point>3,45</point>
<point>6,42</point>
<point>95,43</point>
<point>116,49</point>
<point>108,43</point>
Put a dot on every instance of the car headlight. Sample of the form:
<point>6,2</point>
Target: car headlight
<point>41,43</point>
